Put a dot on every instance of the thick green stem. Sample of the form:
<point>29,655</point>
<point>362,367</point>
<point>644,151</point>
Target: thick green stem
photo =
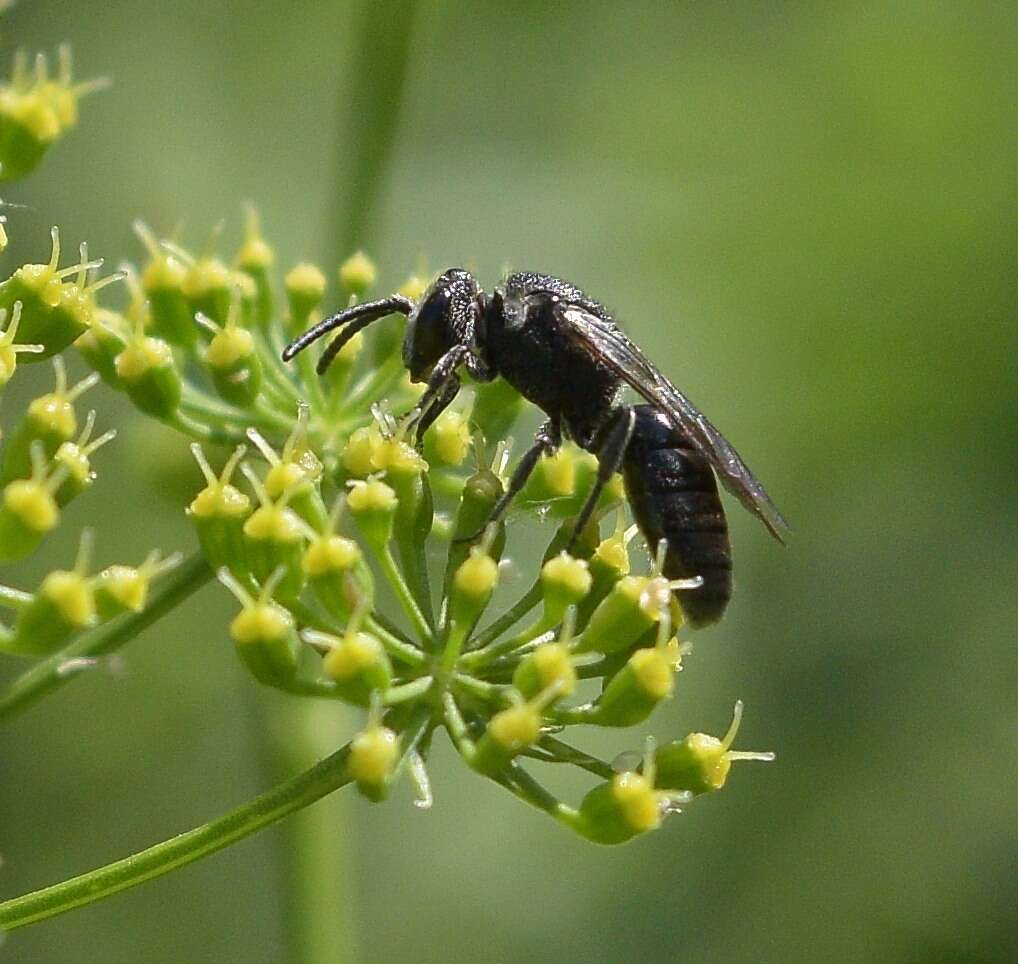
<point>319,907</point>
<point>52,672</point>
<point>270,807</point>
<point>370,102</point>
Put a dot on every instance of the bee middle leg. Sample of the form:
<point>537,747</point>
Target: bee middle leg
<point>546,442</point>
<point>611,444</point>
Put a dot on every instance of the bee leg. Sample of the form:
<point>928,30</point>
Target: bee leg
<point>612,442</point>
<point>442,377</point>
<point>546,442</point>
<point>441,402</point>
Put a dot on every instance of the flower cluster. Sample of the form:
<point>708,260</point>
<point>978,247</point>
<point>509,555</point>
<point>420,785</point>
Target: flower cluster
<point>36,110</point>
<point>324,513</point>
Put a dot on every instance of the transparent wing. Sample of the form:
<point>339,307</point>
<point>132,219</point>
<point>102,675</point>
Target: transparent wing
<point>606,342</point>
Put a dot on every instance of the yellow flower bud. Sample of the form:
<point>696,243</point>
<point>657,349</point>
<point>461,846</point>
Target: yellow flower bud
<point>700,763</point>
<point>374,753</point>
<point>357,274</point>
<point>548,666</point>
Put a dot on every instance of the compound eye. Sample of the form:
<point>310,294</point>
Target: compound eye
<point>428,338</point>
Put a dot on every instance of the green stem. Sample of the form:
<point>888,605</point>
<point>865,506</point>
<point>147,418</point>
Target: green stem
<point>315,850</point>
<point>509,618</point>
<point>270,807</point>
<point>370,101</point>
<point>177,586</point>
<point>403,593</point>
<point>200,432</point>
<point>482,657</point>
<point>14,598</point>
<point>565,753</point>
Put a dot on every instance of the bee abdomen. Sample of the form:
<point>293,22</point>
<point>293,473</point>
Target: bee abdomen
<point>674,496</point>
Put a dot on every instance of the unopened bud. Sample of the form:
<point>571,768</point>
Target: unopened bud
<point>374,753</point>
<point>149,373</point>
<point>549,665</point>
<point>633,606</point>
<point>10,348</point>
<point>357,274</point>
<point>263,632</point>
<point>700,763</point>
<point>564,583</point>
<point>356,663</point>
<point>63,605</point>
<point>162,281</point>
<point>305,288</point>
<point>218,513</point>
<point>120,589</point>
<point>29,509</point>
<point>373,505</point>
<point>255,258</point>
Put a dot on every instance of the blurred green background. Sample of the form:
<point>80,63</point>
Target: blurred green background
<point>807,213</point>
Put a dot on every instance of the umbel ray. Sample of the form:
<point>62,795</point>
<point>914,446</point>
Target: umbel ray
<point>564,352</point>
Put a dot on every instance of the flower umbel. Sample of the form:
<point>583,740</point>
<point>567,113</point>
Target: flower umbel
<point>338,500</point>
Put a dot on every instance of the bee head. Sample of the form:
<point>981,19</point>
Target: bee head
<point>443,318</point>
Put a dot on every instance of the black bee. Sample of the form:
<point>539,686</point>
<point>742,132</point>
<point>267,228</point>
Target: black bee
<point>566,354</point>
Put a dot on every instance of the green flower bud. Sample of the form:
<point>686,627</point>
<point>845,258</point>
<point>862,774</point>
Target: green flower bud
<point>63,605</point>
<point>549,665</point>
<point>76,458</point>
<point>622,808</point>
<point>608,564</point>
<point>305,288</point>
<point>553,478</point>
<point>29,509</point>
<point>700,763</point>
<point>358,455</point>
<point>232,358</point>
<point>162,281</point>
<point>274,539</point>
<point>255,258</point>
<point>35,111</point>
<point>356,662</point>
<point>9,349</point>
<point>373,505</point>
<point>263,632</point>
<point>472,585</point>
<point>497,406</point>
<point>415,512</point>
<point>513,730</point>
<point>120,589</point>
<point>564,583</point>
<point>208,284</point>
<point>49,419</point>
<point>101,344</point>
<point>336,570</point>
<point>149,374</point>
<point>585,477</point>
<point>374,754</point>
<point>509,733</point>
<point>218,513</point>
<point>480,494</point>
<point>54,313</point>
<point>633,606</point>
<point>357,274</point>
<point>447,443</point>
<point>297,471</point>
<point>634,691</point>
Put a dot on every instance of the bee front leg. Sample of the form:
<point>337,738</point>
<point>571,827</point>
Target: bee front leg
<point>443,385</point>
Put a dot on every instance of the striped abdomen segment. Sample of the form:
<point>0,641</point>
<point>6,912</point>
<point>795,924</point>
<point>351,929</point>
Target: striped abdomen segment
<point>674,497</point>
